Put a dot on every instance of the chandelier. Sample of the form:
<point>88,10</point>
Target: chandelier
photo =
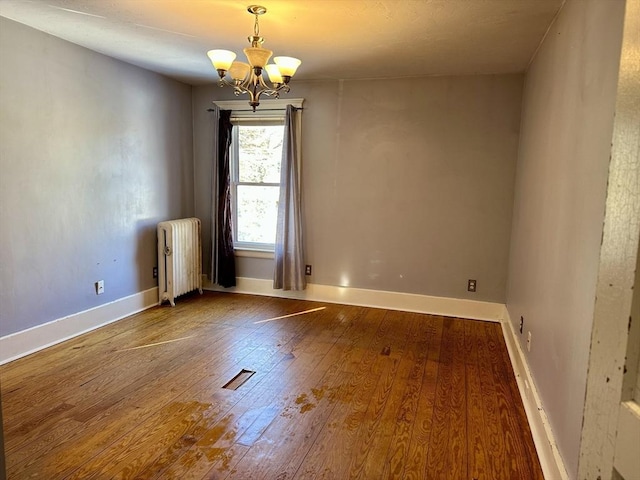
<point>247,77</point>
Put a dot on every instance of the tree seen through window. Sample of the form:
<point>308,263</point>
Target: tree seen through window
<point>256,182</point>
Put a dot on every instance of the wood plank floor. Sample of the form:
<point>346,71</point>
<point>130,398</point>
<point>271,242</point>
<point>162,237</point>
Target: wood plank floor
<point>339,392</point>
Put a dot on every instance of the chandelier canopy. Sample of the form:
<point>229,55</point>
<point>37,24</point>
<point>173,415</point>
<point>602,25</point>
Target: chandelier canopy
<point>247,77</point>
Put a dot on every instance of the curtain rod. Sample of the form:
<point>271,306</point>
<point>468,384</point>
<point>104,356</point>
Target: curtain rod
<point>261,110</point>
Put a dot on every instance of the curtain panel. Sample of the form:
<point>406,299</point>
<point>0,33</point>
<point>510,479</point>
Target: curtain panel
<point>223,266</point>
<point>289,251</point>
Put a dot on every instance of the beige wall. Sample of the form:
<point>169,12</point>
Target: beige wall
<point>634,341</point>
<point>93,153</point>
<point>631,389</point>
<point>561,182</point>
<point>408,185</point>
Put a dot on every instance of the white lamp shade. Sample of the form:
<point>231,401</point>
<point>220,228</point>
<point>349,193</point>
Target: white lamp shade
<point>239,70</point>
<point>287,65</point>
<point>221,59</point>
<point>258,57</point>
<point>274,73</point>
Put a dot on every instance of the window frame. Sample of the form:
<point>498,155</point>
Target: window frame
<point>268,109</point>
<point>234,171</point>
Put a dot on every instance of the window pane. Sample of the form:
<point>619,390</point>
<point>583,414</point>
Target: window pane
<point>257,213</point>
<point>260,153</point>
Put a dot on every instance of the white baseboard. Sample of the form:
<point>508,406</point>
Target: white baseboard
<point>546,446</point>
<point>28,341</point>
<point>408,302</point>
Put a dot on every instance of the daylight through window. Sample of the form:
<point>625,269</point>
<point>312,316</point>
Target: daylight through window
<point>256,154</point>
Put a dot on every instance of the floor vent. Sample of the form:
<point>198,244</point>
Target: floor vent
<point>237,381</point>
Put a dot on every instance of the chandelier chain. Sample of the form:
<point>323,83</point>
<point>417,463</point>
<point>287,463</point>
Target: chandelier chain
<point>256,27</point>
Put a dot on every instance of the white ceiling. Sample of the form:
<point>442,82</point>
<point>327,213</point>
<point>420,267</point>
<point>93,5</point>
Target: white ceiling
<point>335,39</point>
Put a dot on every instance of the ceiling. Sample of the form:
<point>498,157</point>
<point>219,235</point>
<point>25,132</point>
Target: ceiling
<point>335,39</point>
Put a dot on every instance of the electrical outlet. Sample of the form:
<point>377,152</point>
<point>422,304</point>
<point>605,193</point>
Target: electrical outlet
<point>155,273</point>
<point>521,324</point>
<point>528,341</point>
<point>471,285</point>
<point>307,269</point>
<point>99,287</point>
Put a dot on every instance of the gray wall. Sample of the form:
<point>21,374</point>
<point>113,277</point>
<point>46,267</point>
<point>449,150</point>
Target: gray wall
<point>561,182</point>
<point>93,153</point>
<point>408,184</point>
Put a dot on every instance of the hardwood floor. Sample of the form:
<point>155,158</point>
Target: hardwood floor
<point>340,392</point>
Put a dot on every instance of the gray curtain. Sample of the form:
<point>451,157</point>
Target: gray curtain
<point>289,254</point>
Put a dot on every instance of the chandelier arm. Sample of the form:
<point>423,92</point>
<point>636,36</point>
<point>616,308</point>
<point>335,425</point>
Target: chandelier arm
<point>255,79</point>
<point>253,88</point>
<point>254,94</point>
<point>268,93</point>
<point>247,81</point>
<point>239,90</point>
<point>284,87</point>
<point>243,86</point>
<point>225,83</point>
<point>263,84</point>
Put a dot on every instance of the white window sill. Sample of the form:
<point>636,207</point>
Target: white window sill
<point>253,253</point>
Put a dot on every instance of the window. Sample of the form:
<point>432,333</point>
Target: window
<point>256,154</point>
<point>255,157</point>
